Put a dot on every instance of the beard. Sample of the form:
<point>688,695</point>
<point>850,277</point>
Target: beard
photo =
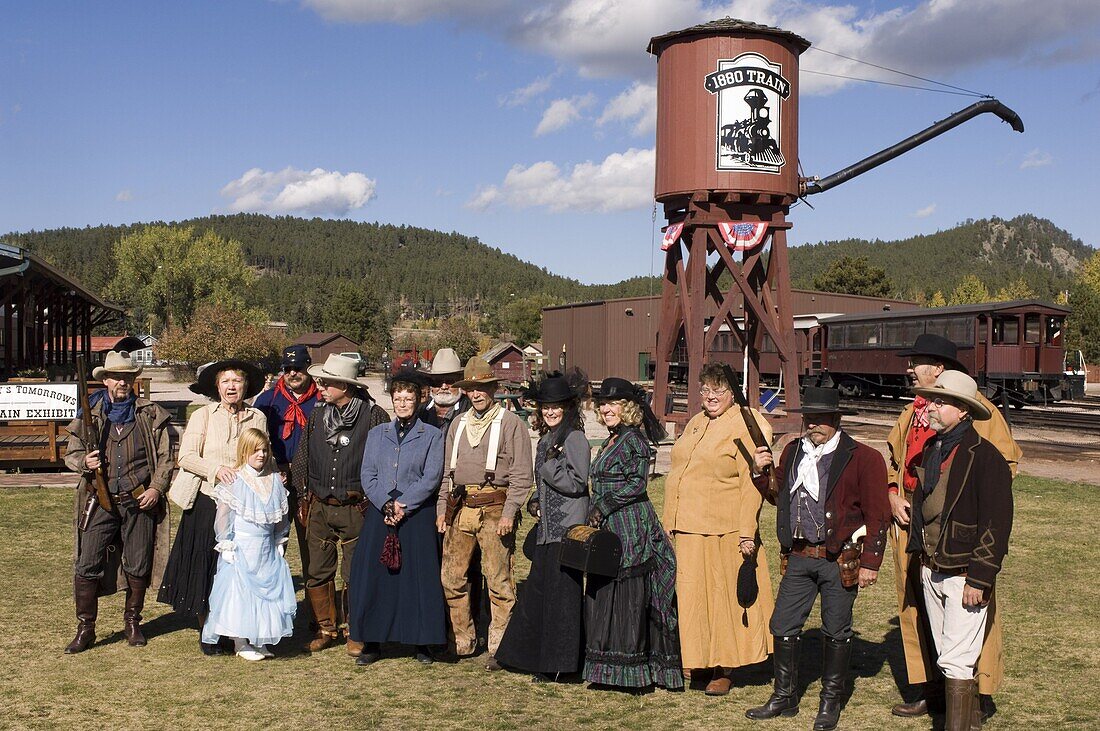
<point>446,398</point>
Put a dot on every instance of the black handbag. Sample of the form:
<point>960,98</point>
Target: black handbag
<point>591,550</point>
<point>748,590</point>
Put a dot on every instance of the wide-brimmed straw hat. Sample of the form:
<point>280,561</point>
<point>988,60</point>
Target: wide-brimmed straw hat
<point>117,361</point>
<point>935,346</point>
<point>445,363</point>
<point>339,368</point>
<point>817,400</point>
<point>961,387</point>
<point>477,373</point>
<point>207,382</point>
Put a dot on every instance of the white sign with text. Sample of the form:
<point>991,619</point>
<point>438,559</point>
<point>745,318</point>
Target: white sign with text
<point>38,401</point>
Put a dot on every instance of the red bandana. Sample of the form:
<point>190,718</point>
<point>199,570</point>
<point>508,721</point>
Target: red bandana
<point>294,414</point>
<point>920,412</point>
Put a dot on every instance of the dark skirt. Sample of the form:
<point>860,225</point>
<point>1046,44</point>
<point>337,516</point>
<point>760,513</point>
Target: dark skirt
<point>632,639</point>
<point>406,605</point>
<point>192,563</point>
<point>546,631</point>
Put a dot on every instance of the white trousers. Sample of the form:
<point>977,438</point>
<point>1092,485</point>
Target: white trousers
<point>958,631</point>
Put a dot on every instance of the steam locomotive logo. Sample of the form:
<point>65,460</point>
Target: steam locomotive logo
<point>748,121</point>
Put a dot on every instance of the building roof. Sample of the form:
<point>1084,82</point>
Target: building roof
<point>726,26</point>
<point>316,340</point>
<point>498,350</point>
<point>15,260</point>
<point>930,312</point>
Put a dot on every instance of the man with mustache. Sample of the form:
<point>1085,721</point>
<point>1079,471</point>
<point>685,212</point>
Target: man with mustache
<point>960,524</point>
<point>830,488</point>
<point>489,470</point>
<point>447,400</point>
<point>930,356</point>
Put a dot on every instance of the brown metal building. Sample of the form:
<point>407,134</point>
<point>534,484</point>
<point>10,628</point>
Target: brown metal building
<point>618,337</point>
<point>322,345</point>
<point>507,361</point>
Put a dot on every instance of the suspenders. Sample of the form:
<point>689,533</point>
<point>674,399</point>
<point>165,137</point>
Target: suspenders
<point>492,452</point>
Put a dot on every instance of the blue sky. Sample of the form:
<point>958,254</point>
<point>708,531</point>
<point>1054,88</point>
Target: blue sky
<point>526,124</point>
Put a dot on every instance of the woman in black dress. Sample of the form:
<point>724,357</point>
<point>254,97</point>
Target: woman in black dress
<point>545,634</point>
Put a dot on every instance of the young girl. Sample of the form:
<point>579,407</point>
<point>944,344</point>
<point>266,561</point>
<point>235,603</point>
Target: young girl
<point>253,596</point>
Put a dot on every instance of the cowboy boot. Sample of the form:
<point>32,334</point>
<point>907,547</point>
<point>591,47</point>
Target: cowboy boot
<point>87,607</point>
<point>353,648</point>
<point>784,698</point>
<point>961,698</point>
<point>131,615</point>
<point>323,601</point>
<point>834,679</point>
<point>930,701</point>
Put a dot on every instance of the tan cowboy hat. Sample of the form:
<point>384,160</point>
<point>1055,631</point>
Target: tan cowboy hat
<point>339,368</point>
<point>477,373</point>
<point>445,363</point>
<point>117,361</point>
<point>961,387</point>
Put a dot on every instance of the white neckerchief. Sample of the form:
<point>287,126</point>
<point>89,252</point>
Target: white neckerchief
<point>807,476</point>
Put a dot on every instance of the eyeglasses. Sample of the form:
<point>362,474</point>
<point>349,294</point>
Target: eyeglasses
<point>937,402</point>
<point>914,363</point>
<point>716,393</point>
<point>405,400</point>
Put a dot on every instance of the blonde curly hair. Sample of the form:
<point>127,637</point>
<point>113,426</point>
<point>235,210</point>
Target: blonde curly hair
<point>632,412</point>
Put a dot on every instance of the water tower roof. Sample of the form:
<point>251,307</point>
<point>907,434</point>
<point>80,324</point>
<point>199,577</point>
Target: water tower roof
<point>724,26</point>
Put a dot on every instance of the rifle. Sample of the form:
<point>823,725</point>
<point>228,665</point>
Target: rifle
<point>98,485</point>
<point>758,438</point>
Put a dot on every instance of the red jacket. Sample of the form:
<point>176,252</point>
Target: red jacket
<point>855,495</point>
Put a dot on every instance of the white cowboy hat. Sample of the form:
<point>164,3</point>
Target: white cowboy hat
<point>445,363</point>
<point>339,368</point>
<point>961,387</point>
<point>117,361</point>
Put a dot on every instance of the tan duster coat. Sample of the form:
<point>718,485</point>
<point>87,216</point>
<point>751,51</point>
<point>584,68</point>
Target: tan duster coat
<point>154,425</point>
<point>920,652</point>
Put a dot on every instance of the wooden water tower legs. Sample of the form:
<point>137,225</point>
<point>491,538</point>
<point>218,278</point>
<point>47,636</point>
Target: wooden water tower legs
<point>755,300</point>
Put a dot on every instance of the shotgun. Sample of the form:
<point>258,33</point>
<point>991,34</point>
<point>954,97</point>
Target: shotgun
<point>758,438</point>
<point>98,484</point>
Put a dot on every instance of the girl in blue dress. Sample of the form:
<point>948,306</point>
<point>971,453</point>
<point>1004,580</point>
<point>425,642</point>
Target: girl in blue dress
<point>253,599</point>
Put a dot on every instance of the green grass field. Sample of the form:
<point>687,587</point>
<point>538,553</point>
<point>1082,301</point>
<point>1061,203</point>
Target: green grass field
<point>1049,595</point>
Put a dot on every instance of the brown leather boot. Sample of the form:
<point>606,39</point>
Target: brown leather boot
<point>354,649</point>
<point>131,615</point>
<point>87,607</point>
<point>930,701</point>
<point>720,683</point>
<point>323,601</point>
<point>961,698</point>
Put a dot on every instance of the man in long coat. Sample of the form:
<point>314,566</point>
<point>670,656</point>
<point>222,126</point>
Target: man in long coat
<point>126,539</point>
<point>930,356</point>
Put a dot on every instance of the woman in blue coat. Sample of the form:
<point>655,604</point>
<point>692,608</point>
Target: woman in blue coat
<point>395,592</point>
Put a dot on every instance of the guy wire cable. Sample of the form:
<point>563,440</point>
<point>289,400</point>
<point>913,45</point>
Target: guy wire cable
<point>893,71</point>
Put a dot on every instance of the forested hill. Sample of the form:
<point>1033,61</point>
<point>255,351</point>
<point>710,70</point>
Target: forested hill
<point>997,251</point>
<point>431,272</point>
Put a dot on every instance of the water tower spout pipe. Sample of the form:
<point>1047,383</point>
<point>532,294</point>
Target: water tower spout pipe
<point>815,185</point>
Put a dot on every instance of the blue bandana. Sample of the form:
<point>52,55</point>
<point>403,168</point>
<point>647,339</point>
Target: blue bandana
<point>118,412</point>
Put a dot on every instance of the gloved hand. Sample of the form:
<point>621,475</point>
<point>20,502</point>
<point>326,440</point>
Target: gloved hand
<point>534,509</point>
<point>227,550</point>
<point>595,517</point>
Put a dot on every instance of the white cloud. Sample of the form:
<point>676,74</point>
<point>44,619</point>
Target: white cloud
<point>291,191</point>
<point>638,104</point>
<point>563,112</point>
<point>622,181</point>
<point>926,211</point>
<point>124,196</point>
<point>1036,159</point>
<point>608,38</point>
<point>519,97</point>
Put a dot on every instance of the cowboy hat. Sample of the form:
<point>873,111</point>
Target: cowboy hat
<point>935,346</point>
<point>960,387</point>
<point>477,373</point>
<point>816,400</point>
<point>117,361</point>
<point>445,363</point>
<point>553,389</point>
<point>339,368</point>
<point>206,383</point>
<point>409,375</point>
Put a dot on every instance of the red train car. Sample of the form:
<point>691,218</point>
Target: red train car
<point>1013,349</point>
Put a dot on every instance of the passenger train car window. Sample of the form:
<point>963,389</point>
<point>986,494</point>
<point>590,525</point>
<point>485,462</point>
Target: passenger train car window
<point>1033,328</point>
<point>1054,330</point>
<point>1006,330</point>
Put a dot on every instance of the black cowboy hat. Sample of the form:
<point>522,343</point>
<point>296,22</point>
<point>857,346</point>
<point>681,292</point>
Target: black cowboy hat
<point>613,389</point>
<point>936,346</point>
<point>206,384</point>
<point>410,375</point>
<point>554,389</point>
<point>817,400</point>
